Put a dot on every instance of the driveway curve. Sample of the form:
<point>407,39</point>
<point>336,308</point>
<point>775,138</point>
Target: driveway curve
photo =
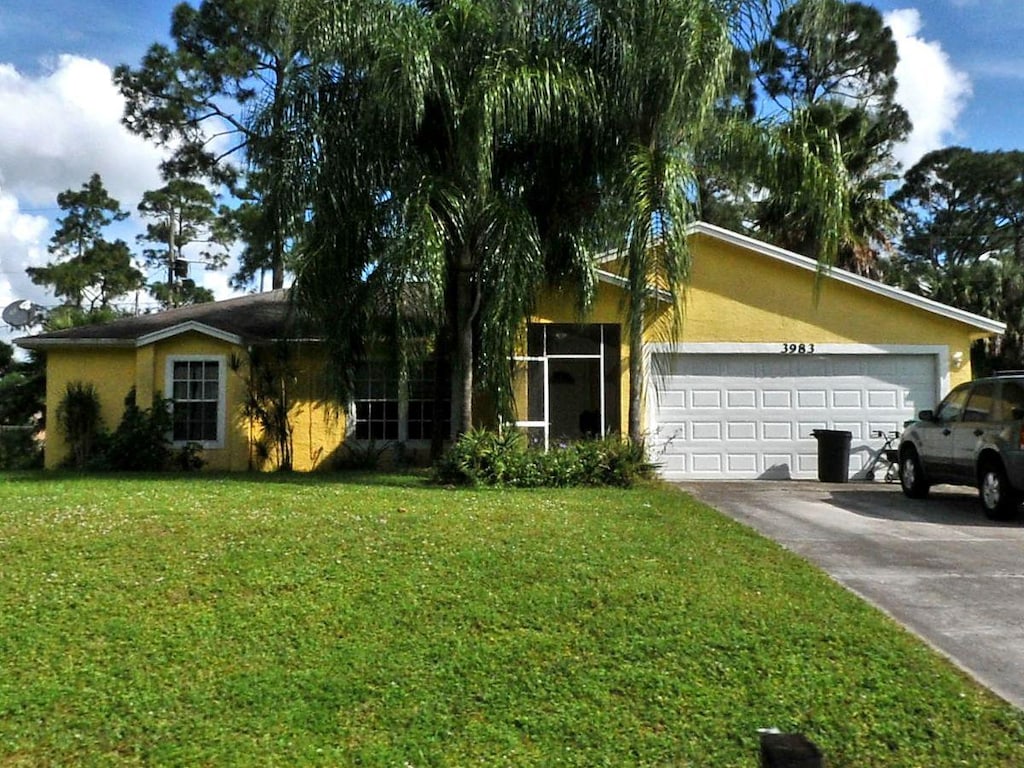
<point>937,566</point>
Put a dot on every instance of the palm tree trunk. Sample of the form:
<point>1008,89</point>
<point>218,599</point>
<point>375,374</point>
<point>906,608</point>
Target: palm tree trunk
<point>636,371</point>
<point>465,305</point>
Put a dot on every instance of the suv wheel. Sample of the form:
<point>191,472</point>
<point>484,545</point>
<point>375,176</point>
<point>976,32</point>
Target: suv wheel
<point>999,499</point>
<point>912,475</point>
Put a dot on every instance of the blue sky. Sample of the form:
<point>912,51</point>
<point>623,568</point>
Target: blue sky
<point>961,77</point>
<point>984,40</point>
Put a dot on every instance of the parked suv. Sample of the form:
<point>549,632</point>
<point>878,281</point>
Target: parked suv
<point>975,437</point>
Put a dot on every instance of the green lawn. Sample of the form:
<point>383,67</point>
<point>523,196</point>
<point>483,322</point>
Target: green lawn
<point>334,621</point>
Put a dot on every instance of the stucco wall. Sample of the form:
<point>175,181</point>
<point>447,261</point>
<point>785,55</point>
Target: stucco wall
<point>738,296</point>
<point>111,371</point>
<point>318,428</point>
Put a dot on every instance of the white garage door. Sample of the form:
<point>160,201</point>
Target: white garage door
<point>752,415</point>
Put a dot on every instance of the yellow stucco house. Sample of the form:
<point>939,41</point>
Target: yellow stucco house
<point>768,351</point>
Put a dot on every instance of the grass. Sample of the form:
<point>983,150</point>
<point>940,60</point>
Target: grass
<point>316,621</point>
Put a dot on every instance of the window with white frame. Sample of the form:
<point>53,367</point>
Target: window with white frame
<point>196,386</point>
<point>391,407</point>
<point>375,403</point>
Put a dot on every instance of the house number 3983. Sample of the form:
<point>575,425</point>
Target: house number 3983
<point>797,349</point>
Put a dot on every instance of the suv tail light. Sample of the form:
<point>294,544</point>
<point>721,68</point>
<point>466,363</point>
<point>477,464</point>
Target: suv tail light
<point>1020,437</point>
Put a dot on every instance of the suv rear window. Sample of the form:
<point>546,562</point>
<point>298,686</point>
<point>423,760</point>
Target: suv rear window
<point>1012,400</point>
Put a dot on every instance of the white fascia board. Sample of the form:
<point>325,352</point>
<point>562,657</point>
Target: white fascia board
<point>781,254</point>
<point>620,282</point>
<point>30,342</point>
<point>191,325</point>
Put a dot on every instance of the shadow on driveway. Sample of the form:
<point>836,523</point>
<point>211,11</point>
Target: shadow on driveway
<point>945,505</point>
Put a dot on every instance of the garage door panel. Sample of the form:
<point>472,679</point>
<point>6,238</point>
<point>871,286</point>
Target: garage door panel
<point>778,462</point>
<point>805,429</point>
<point>741,430</point>
<point>742,463</point>
<point>776,430</point>
<point>807,464</point>
<point>707,430</point>
<point>848,398</point>
<point>886,398</point>
<point>811,398</point>
<point>855,428</point>
<point>741,398</point>
<point>750,415</point>
<point>707,463</point>
<point>777,398</point>
<point>672,398</point>
<point>706,398</point>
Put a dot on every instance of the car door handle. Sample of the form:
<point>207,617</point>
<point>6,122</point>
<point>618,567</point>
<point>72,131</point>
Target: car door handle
<point>947,431</point>
<point>979,432</point>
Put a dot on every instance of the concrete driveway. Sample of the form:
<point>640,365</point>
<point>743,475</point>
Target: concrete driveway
<point>937,566</point>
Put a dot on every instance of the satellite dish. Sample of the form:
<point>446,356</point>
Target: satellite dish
<point>22,313</point>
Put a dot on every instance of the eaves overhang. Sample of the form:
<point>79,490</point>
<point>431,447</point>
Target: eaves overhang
<point>621,282</point>
<point>192,326</point>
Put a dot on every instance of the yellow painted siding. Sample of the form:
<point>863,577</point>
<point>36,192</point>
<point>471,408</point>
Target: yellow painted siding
<point>318,429</point>
<point>111,371</point>
<point>737,296</point>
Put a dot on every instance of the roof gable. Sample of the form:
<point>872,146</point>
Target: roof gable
<point>245,319</point>
<point>843,276</point>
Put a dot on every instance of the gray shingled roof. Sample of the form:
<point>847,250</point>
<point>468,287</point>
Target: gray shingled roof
<point>254,318</point>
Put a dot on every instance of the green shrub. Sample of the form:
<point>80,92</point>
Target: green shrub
<point>188,458</point>
<point>78,417</point>
<point>140,443</point>
<point>502,458</point>
<point>363,456</point>
<point>19,448</point>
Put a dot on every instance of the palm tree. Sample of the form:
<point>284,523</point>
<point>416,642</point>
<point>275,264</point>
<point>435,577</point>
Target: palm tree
<point>665,69</point>
<point>465,151</point>
<point>661,66</point>
<point>414,114</point>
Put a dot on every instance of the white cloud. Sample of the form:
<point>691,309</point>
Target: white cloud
<point>58,129</point>
<point>22,244</point>
<point>930,88</point>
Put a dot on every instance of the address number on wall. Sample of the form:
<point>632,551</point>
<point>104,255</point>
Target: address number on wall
<point>797,349</point>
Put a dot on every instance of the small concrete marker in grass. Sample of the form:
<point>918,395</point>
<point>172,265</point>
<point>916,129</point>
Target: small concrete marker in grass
<point>789,750</point>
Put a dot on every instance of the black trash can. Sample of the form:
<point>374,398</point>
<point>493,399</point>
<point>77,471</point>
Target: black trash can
<point>833,454</point>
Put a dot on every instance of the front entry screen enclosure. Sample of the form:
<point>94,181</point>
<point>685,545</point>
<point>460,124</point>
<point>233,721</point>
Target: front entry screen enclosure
<point>572,377</point>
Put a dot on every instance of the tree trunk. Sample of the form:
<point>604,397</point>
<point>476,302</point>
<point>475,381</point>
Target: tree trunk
<point>442,389</point>
<point>462,352</point>
<point>636,371</point>
<point>276,211</point>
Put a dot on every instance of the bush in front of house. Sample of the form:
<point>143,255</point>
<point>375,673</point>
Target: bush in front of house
<point>20,448</point>
<point>140,443</point>
<point>503,458</point>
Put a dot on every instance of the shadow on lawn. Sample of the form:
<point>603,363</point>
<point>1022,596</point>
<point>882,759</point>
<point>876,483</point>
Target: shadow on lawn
<point>410,479</point>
